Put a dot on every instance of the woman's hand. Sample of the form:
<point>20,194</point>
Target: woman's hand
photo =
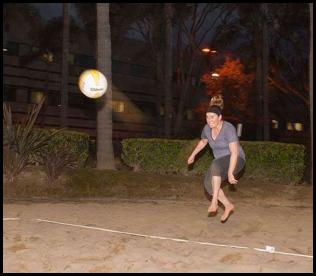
<point>232,179</point>
<point>191,159</point>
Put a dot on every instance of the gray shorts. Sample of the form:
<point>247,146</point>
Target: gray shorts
<point>219,167</point>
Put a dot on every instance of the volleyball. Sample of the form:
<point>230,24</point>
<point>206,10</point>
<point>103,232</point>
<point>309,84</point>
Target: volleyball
<point>92,83</point>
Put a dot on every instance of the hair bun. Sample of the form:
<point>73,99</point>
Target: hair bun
<point>217,100</point>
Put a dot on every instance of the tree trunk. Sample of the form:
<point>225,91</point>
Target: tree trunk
<point>105,155</point>
<point>183,99</point>
<point>159,81</point>
<point>168,10</point>
<point>65,67</point>
<point>265,66</point>
<point>259,113</point>
<point>46,94</point>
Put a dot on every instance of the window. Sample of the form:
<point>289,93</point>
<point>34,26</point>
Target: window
<point>118,106</point>
<point>190,115</point>
<point>9,93</point>
<point>275,124</point>
<point>54,99</point>
<point>71,59</point>
<point>35,49</point>
<point>132,69</point>
<point>117,66</point>
<point>162,110</point>
<point>298,126</point>
<point>294,126</point>
<point>48,57</point>
<point>80,101</point>
<point>13,48</point>
<point>36,96</point>
<point>84,61</point>
<point>148,108</point>
<point>141,70</point>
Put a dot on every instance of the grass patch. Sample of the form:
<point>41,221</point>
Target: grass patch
<point>92,183</point>
<point>87,183</point>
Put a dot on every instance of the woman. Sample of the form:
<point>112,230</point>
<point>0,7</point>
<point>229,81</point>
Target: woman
<point>229,157</point>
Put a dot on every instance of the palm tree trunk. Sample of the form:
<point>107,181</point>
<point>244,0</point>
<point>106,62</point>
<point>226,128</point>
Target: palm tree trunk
<point>168,9</point>
<point>105,155</point>
<point>65,68</point>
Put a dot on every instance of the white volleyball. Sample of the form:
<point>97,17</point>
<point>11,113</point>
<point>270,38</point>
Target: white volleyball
<point>92,83</point>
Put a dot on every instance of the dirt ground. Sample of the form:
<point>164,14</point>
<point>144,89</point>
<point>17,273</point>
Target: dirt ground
<point>280,217</point>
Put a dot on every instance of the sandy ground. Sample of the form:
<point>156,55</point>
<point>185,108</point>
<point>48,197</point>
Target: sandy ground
<point>33,246</point>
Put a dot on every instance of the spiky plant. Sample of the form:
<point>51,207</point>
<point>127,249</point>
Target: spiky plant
<point>20,141</point>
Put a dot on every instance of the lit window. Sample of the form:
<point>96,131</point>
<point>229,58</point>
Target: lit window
<point>289,126</point>
<point>298,126</point>
<point>162,111</point>
<point>36,96</point>
<point>275,124</point>
<point>118,106</point>
<point>49,57</point>
<point>295,126</point>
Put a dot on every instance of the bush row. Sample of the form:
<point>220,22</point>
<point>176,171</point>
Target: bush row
<point>273,160</point>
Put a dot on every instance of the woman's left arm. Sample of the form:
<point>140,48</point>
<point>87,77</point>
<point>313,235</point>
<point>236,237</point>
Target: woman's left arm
<point>233,147</point>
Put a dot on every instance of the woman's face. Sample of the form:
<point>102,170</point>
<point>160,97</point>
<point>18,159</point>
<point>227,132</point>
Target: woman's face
<point>212,119</point>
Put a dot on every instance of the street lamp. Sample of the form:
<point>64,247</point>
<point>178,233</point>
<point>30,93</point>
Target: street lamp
<point>208,50</point>
<point>215,75</point>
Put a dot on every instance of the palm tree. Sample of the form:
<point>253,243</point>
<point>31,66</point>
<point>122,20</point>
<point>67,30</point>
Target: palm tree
<point>105,155</point>
<point>65,67</point>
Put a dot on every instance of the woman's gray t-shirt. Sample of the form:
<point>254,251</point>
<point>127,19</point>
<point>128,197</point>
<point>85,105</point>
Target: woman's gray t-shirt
<point>220,145</point>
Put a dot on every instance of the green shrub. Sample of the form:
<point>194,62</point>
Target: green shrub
<point>65,150</point>
<point>272,160</point>
<point>278,161</point>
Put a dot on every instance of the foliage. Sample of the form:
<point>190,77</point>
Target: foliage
<point>235,86</point>
<point>20,141</point>
<point>272,160</point>
<point>66,150</point>
<point>157,155</point>
<point>288,33</point>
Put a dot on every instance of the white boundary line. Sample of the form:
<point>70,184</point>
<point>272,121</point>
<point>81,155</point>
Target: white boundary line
<point>177,240</point>
<point>11,218</point>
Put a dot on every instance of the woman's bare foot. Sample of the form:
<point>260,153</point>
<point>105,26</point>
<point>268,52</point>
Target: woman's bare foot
<point>213,208</point>
<point>228,210</point>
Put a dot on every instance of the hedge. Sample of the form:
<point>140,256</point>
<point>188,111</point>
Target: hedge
<point>73,141</point>
<point>280,162</point>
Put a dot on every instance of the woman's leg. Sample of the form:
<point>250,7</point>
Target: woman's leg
<point>216,184</point>
<point>229,207</point>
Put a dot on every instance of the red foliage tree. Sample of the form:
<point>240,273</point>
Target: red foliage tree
<point>235,87</point>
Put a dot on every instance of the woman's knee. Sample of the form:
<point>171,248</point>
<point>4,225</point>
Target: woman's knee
<point>215,169</point>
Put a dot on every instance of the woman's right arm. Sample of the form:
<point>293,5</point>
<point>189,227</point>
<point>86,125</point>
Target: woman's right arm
<point>201,145</point>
